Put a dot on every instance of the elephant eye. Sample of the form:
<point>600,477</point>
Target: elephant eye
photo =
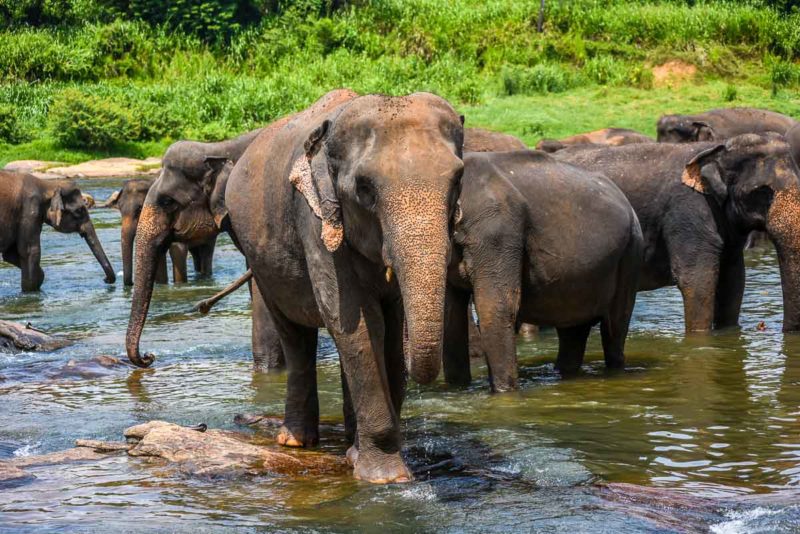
<point>166,202</point>
<point>365,192</point>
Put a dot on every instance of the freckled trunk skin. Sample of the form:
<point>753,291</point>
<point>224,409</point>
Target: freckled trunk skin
<point>150,231</point>
<point>89,234</point>
<point>128,234</point>
<point>783,227</point>
<point>419,239</point>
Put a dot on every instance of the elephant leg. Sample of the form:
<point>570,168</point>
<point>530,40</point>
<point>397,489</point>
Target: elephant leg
<point>393,353</point>
<point>571,348</point>
<point>376,457</point>
<point>203,257</point>
<point>456,338</point>
<point>178,253</point>
<point>614,326</point>
<point>475,346</point>
<point>730,290</point>
<point>29,253</point>
<point>266,344</point>
<point>301,417</point>
<point>350,424</point>
<point>161,269</point>
<point>12,257</point>
<point>497,299</point>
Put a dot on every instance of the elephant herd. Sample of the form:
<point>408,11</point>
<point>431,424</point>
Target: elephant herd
<point>384,220</point>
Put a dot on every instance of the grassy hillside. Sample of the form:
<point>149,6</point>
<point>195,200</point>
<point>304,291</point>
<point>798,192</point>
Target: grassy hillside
<point>99,86</point>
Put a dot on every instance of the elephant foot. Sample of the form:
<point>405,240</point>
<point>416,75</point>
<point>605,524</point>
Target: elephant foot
<point>379,468</point>
<point>288,439</point>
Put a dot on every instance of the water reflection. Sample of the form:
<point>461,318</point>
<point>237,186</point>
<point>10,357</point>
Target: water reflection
<point>706,415</point>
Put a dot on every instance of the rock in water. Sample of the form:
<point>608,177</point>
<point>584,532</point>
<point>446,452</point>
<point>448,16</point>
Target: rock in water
<point>19,337</point>
<point>220,453</point>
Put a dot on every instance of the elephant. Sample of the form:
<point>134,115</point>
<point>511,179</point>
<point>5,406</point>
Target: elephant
<point>26,203</point>
<point>697,203</point>
<point>544,242</point>
<point>343,212</point>
<point>129,201</point>
<point>480,140</point>
<point>604,137</point>
<point>721,124</point>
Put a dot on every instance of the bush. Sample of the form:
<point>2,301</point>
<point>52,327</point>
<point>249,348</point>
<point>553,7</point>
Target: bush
<point>79,120</point>
<point>542,78</point>
<point>10,130</point>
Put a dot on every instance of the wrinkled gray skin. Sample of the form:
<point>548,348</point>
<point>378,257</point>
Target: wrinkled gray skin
<point>721,124</point>
<point>480,140</point>
<point>604,137</point>
<point>129,201</point>
<point>26,203</point>
<point>697,203</point>
<point>186,204</point>
<point>543,242</point>
<point>344,214</point>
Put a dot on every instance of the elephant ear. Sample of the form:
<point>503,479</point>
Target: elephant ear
<point>311,176</point>
<point>56,209</point>
<point>702,174</point>
<point>703,131</point>
<point>216,201</point>
<point>113,200</point>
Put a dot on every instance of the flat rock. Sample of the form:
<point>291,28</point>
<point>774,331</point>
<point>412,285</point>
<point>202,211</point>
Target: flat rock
<point>221,453</point>
<point>100,168</point>
<point>78,454</point>
<point>10,475</point>
<point>20,337</point>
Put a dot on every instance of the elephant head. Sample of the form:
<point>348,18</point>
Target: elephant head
<point>756,180</point>
<point>129,201</point>
<point>384,175</point>
<point>683,129</point>
<point>67,212</point>
<point>176,209</point>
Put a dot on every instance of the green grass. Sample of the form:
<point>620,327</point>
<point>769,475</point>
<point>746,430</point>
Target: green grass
<point>591,68</point>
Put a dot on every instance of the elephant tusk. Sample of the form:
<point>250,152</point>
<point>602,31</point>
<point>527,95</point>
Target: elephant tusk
<point>388,274</point>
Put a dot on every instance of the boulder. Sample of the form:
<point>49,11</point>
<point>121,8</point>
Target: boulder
<point>222,453</point>
<point>19,337</point>
<point>95,367</point>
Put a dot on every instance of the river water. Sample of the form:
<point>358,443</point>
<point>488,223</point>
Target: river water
<point>714,417</point>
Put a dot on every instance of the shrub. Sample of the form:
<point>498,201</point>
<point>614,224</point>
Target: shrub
<point>782,74</point>
<point>10,130</point>
<point>730,94</point>
<point>79,120</point>
<point>542,78</point>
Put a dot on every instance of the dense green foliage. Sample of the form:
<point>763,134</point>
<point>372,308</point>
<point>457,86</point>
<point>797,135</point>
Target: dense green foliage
<point>210,68</point>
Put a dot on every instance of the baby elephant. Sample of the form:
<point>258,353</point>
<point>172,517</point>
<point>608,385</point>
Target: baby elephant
<point>26,203</point>
<point>541,242</point>
<point>129,201</point>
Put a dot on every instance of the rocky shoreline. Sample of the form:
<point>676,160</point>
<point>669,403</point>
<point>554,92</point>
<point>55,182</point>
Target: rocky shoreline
<point>101,168</point>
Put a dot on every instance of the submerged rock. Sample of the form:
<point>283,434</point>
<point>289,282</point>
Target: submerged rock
<point>217,452</point>
<point>11,475</point>
<point>95,367</point>
<point>20,337</point>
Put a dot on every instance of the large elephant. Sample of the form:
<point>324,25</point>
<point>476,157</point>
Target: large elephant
<point>26,203</point>
<point>480,140</point>
<point>129,200</point>
<point>697,203</point>
<point>343,214</point>
<point>543,242</point>
<point>721,124</point>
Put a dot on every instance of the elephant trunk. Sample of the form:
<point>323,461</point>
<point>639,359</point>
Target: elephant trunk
<point>783,227</point>
<point>150,234</point>
<point>88,233</point>
<point>419,253</point>
<point>128,236</point>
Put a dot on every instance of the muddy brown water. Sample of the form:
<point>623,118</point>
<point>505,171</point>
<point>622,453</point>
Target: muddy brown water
<point>712,416</point>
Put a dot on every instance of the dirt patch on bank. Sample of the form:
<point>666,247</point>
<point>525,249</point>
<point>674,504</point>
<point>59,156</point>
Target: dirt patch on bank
<point>673,73</point>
